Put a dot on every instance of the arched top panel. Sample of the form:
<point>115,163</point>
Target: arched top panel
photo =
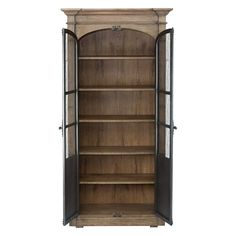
<point>123,42</point>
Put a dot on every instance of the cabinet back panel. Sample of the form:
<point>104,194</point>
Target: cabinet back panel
<point>122,42</point>
<point>116,72</point>
<point>117,103</point>
<point>121,73</point>
<point>117,134</point>
<point>111,194</point>
<point>117,164</point>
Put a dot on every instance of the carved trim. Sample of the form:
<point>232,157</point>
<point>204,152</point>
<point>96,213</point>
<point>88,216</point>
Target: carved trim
<point>151,30</point>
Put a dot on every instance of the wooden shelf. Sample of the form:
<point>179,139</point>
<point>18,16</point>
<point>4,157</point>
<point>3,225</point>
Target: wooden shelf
<point>116,58</point>
<point>116,118</point>
<point>117,179</point>
<point>117,88</point>
<point>118,150</point>
<point>117,214</point>
<point>110,209</point>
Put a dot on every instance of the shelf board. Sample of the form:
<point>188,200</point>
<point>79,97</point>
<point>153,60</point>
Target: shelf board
<point>117,150</point>
<point>117,88</point>
<point>116,118</point>
<point>109,209</point>
<point>117,179</point>
<point>116,58</point>
<point>117,214</point>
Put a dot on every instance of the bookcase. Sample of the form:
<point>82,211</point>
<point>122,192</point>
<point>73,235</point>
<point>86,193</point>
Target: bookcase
<point>117,117</point>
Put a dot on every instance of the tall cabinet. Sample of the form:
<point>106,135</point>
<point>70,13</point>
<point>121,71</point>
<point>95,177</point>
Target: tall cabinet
<point>117,117</point>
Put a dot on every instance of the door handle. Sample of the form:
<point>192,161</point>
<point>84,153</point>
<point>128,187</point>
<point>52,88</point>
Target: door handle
<point>60,128</point>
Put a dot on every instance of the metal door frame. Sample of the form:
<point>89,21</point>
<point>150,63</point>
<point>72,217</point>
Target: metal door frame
<point>65,32</point>
<point>171,126</point>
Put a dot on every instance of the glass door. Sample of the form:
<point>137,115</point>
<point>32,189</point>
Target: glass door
<point>164,124</point>
<point>70,127</point>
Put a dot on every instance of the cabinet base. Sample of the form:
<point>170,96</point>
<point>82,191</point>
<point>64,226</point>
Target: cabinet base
<point>81,222</point>
<point>113,215</point>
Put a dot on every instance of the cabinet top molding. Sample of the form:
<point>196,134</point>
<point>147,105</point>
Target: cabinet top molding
<point>118,11</point>
<point>148,20</point>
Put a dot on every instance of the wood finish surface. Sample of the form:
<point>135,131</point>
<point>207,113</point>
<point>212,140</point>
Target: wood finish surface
<point>117,150</point>
<point>116,194</point>
<point>124,209</point>
<point>130,72</point>
<point>116,119</point>
<point>118,134</point>
<point>117,214</point>
<point>124,43</point>
<point>117,58</point>
<point>117,88</point>
<point>84,21</point>
<point>113,164</point>
<point>117,179</point>
<point>117,103</point>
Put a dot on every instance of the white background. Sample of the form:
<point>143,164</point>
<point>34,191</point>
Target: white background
<point>30,113</point>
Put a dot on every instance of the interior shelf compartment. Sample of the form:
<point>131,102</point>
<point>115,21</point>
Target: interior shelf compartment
<point>117,214</point>
<point>116,58</point>
<point>117,150</point>
<point>117,179</point>
<point>115,118</point>
<point>110,209</point>
<point>117,88</point>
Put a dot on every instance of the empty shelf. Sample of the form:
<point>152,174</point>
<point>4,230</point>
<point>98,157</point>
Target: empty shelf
<point>116,88</point>
<point>110,209</point>
<point>117,150</point>
<point>117,214</point>
<point>116,57</point>
<point>116,118</point>
<point>117,179</point>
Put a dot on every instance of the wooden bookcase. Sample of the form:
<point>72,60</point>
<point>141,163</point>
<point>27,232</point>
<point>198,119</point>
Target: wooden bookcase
<point>115,117</point>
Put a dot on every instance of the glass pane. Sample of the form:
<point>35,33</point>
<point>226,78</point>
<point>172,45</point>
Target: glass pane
<point>70,63</point>
<point>161,63</point>
<point>167,62</point>
<point>167,143</point>
<point>164,62</point>
<point>167,113</point>
<point>164,108</point>
<point>70,141</point>
<point>162,139</point>
<point>70,108</point>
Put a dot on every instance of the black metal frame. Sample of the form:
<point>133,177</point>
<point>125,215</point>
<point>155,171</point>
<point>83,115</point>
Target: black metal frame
<point>171,127</point>
<point>66,218</point>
